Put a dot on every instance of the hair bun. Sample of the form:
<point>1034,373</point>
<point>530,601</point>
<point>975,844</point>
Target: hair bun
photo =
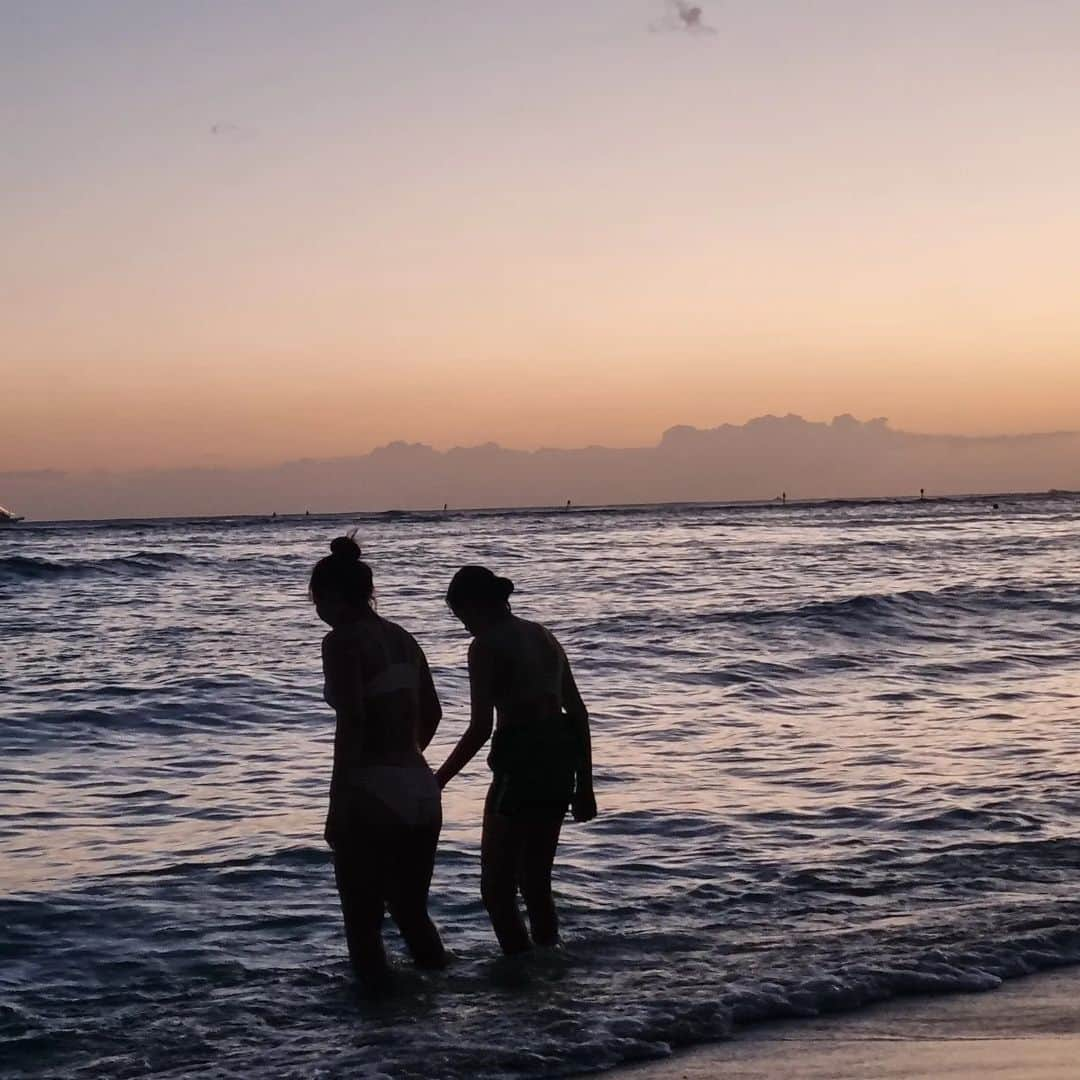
<point>345,547</point>
<point>477,586</point>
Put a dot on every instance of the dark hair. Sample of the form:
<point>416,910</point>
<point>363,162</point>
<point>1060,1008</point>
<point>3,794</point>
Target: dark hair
<point>343,573</point>
<point>477,586</point>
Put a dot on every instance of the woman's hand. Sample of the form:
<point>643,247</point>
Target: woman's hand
<point>583,806</point>
<point>332,829</point>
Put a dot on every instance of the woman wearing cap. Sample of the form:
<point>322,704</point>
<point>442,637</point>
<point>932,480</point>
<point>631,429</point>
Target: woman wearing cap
<point>385,807</point>
<point>541,758</point>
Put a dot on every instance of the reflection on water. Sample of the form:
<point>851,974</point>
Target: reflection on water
<point>837,760</point>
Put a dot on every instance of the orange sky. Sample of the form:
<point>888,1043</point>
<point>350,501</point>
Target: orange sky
<point>530,226</point>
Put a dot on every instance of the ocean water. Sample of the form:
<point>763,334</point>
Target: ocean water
<point>838,760</point>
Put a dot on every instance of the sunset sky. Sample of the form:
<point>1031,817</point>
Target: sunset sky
<point>246,232</point>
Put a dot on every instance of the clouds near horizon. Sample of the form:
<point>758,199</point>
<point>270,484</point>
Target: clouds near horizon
<point>761,459</point>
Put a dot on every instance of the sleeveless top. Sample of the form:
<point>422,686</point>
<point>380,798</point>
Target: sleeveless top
<point>534,759</point>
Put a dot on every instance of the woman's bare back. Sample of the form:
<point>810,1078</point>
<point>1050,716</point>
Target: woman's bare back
<point>378,681</point>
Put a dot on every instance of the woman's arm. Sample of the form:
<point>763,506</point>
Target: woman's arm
<point>584,804</point>
<point>430,708</point>
<point>344,690</point>
<point>481,713</point>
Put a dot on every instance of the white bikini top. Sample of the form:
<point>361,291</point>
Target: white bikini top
<point>397,675</point>
<point>401,676</point>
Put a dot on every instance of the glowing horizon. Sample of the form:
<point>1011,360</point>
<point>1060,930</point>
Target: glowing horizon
<point>246,236</point>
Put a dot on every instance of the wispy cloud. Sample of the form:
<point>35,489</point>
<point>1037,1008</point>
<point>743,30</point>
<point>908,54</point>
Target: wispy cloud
<point>232,132</point>
<point>683,18</point>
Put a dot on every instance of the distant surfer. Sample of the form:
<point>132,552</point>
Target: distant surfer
<point>385,808</point>
<point>541,754</point>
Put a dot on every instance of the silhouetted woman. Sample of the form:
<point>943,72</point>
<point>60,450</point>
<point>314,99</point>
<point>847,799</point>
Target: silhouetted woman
<point>541,757</point>
<point>385,807</point>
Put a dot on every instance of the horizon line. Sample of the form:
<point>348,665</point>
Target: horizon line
<point>775,502</point>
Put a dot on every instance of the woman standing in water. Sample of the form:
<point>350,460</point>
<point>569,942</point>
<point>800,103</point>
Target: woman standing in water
<point>541,755</point>
<point>385,807</point>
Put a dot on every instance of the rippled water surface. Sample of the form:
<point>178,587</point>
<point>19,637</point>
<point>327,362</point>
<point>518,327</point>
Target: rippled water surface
<point>838,759</point>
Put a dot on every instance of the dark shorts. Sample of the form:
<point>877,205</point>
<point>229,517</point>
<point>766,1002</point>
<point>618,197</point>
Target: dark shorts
<point>533,769</point>
<point>523,801</point>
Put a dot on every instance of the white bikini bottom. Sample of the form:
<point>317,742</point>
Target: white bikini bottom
<point>397,794</point>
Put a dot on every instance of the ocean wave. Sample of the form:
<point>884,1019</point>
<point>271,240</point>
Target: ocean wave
<point>152,715</point>
<point>16,569</point>
<point>918,613</point>
<point>901,609</point>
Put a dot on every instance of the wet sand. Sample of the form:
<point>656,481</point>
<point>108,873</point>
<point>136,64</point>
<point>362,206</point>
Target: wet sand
<point>1028,1029</point>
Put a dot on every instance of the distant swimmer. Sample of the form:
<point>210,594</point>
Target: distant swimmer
<point>922,493</point>
<point>567,504</point>
<point>444,506</point>
<point>541,754</point>
<point>783,497</point>
<point>385,808</point>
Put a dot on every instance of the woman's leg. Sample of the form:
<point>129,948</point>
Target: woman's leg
<point>498,882</point>
<point>362,909</point>
<point>536,855</point>
<point>411,854</point>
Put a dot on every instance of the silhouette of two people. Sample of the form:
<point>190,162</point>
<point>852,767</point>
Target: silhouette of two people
<point>385,811</point>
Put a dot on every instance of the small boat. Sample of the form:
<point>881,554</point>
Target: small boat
<point>8,518</point>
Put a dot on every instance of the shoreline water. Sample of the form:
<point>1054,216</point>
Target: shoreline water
<point>1026,1029</point>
